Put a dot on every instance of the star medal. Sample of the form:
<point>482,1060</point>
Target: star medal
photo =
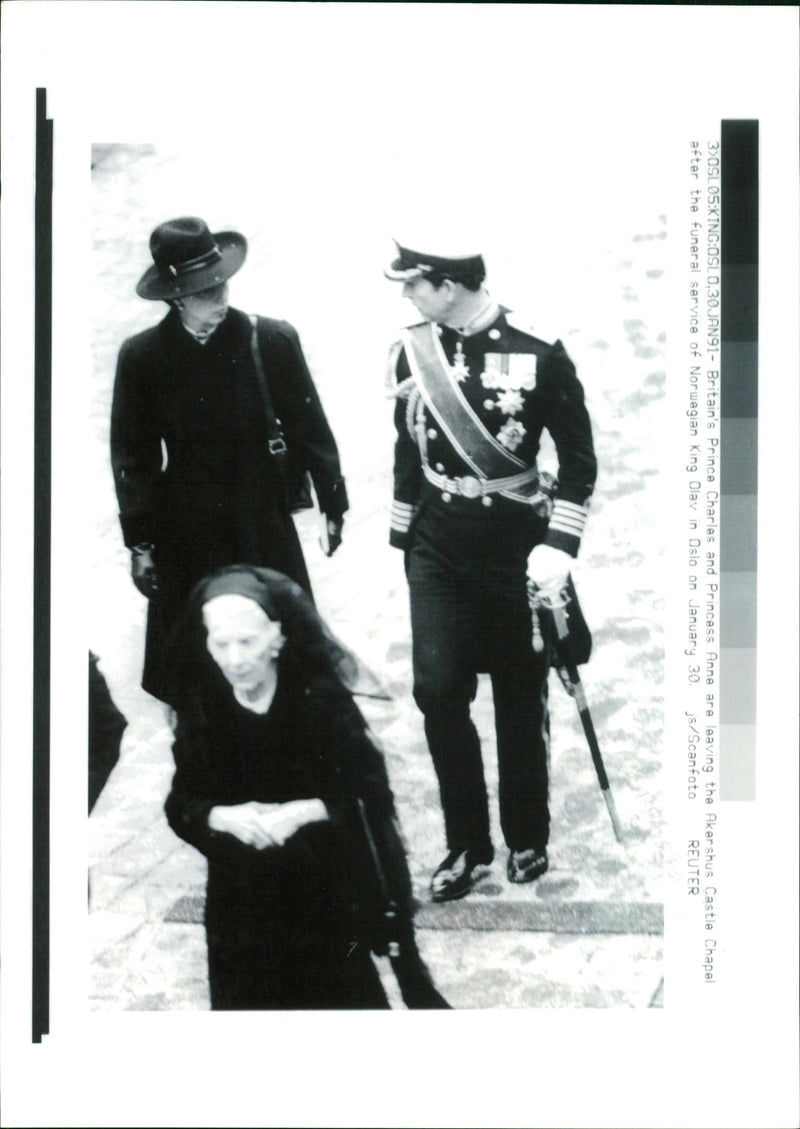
<point>509,401</point>
<point>459,366</point>
<point>511,434</point>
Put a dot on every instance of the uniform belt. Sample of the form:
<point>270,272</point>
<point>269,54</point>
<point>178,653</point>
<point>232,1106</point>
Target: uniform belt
<point>468,486</point>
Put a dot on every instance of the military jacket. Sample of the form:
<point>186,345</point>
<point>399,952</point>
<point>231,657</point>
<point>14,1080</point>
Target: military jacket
<point>517,385</point>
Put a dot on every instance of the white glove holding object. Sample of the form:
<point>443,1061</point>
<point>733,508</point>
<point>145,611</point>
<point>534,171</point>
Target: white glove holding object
<point>548,569</point>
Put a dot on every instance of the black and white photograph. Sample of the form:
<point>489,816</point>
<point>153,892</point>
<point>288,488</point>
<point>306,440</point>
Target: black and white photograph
<point>412,492</point>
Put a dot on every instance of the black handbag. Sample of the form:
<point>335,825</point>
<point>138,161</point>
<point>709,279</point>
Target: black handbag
<point>296,480</point>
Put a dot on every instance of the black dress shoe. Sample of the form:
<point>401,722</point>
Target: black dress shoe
<point>528,865</point>
<point>456,876</point>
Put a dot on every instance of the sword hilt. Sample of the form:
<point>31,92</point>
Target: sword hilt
<point>555,601</point>
<point>539,597</point>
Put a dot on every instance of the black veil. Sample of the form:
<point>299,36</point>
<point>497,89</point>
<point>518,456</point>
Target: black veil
<point>310,645</point>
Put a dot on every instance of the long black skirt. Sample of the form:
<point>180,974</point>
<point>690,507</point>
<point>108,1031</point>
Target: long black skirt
<point>279,936</point>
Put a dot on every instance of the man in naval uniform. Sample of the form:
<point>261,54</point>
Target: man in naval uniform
<point>474,391</point>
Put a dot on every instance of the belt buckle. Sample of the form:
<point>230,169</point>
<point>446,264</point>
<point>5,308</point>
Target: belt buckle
<point>470,487</point>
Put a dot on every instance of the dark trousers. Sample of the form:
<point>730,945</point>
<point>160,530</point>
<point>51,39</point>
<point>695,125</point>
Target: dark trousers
<point>466,569</point>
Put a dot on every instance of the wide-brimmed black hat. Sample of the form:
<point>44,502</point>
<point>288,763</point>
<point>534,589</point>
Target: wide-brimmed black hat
<point>188,258</point>
<point>449,261</point>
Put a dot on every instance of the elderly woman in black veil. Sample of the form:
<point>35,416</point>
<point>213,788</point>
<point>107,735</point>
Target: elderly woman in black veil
<point>280,785</point>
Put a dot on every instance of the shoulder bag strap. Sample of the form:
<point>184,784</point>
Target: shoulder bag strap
<point>277,442</point>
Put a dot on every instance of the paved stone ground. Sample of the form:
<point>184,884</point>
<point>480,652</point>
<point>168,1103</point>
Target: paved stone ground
<point>589,933</point>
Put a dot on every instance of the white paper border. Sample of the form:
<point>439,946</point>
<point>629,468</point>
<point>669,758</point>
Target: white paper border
<point>651,76</point>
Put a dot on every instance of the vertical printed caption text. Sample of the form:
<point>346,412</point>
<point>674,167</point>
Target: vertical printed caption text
<point>701,377</point>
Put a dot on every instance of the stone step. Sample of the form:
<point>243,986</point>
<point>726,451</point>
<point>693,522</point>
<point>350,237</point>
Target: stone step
<point>499,914</point>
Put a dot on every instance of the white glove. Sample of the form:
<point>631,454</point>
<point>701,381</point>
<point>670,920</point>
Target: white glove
<point>266,825</point>
<point>286,819</point>
<point>548,569</point>
<point>245,821</point>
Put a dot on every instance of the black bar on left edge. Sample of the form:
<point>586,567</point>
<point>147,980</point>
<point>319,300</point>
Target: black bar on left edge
<point>42,465</point>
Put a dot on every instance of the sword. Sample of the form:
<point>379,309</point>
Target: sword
<point>557,605</point>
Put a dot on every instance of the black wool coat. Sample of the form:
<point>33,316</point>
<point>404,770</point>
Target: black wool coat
<point>280,921</point>
<point>192,469</point>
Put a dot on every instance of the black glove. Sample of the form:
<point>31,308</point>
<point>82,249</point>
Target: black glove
<point>334,534</point>
<point>143,570</point>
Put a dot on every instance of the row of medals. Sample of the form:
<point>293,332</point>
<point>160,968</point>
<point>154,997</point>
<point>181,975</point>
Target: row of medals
<point>510,373</point>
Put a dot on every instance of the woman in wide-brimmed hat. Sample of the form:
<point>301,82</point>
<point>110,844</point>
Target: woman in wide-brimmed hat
<point>213,420</point>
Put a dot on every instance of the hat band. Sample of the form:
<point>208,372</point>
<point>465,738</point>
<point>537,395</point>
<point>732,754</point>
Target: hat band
<point>212,256</point>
